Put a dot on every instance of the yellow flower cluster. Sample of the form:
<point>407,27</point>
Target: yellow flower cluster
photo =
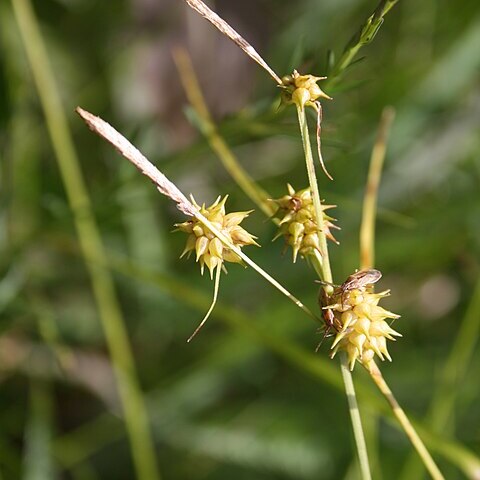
<point>302,90</point>
<point>209,250</point>
<point>298,224</point>
<point>364,331</point>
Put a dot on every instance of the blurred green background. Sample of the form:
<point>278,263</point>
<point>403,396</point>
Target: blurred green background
<point>247,399</point>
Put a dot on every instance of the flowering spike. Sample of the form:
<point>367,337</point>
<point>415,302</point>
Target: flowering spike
<point>363,330</point>
<point>302,90</point>
<point>298,225</point>
<point>209,250</point>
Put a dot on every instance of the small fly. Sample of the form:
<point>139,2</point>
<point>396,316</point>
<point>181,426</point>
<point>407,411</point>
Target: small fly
<point>356,281</point>
<point>360,279</point>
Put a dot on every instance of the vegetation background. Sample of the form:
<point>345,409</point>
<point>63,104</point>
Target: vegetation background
<point>247,398</point>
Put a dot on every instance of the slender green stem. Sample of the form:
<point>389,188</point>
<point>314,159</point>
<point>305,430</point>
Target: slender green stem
<point>92,246</point>
<point>317,203</point>
<point>355,418</point>
<point>323,265</point>
<point>38,462</point>
<point>369,211</point>
<point>416,441</point>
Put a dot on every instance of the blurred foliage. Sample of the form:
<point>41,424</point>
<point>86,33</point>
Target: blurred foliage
<point>247,399</point>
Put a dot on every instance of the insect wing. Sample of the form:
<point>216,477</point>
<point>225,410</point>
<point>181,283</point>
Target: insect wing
<point>361,279</point>
<point>227,30</point>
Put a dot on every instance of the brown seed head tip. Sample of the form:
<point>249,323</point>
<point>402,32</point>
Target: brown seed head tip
<point>90,119</point>
<point>83,113</point>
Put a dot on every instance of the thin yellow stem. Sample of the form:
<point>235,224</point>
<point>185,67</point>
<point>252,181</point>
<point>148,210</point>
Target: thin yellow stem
<point>136,420</point>
<point>215,140</point>
<point>369,212</point>
<point>416,441</point>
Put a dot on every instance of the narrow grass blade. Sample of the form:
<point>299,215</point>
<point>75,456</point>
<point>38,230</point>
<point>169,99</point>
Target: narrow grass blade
<point>407,426</point>
<point>38,459</point>
<point>369,212</point>
<point>91,243</point>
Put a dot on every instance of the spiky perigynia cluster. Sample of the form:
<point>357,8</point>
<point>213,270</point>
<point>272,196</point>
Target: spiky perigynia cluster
<point>302,90</point>
<point>209,250</point>
<point>298,224</point>
<point>364,330</point>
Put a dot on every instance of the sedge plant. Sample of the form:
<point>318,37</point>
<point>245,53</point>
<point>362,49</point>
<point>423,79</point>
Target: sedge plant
<point>362,329</point>
<point>350,309</point>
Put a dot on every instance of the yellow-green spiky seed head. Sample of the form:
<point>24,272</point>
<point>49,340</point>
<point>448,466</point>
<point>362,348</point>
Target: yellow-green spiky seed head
<point>364,330</point>
<point>209,250</point>
<point>297,222</point>
<point>302,90</point>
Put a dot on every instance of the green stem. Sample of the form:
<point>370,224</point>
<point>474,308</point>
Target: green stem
<point>408,428</point>
<point>91,243</point>
<point>355,418</point>
<point>317,203</point>
<point>369,211</point>
<point>322,264</point>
